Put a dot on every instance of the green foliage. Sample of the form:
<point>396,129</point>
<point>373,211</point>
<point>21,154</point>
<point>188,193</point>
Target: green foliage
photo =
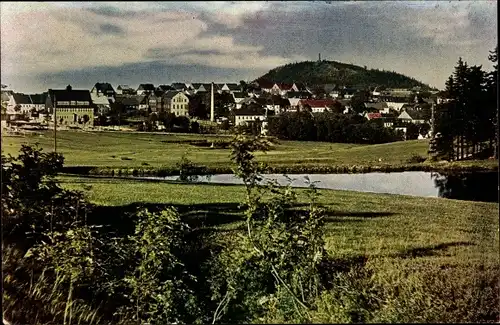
<point>155,284</point>
<point>332,72</point>
<point>32,201</point>
<point>468,119</point>
<point>273,272</point>
<point>386,292</point>
<point>331,127</point>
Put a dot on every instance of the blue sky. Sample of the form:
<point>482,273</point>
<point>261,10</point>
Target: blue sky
<point>49,45</point>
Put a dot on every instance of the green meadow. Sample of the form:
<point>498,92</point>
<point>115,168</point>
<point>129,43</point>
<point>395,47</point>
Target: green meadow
<point>408,259</point>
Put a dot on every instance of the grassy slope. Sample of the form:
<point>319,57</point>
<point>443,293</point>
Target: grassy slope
<point>442,231</point>
<point>98,149</point>
<point>108,149</point>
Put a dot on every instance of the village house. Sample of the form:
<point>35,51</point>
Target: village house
<point>281,89</point>
<point>164,88</point>
<point>414,116</point>
<point>102,95</point>
<point>238,98</point>
<point>348,93</point>
<point>38,101</point>
<point>125,90</point>
<point>155,101</point>
<point>265,86</point>
<point>103,89</point>
<point>71,107</point>
<point>231,88</point>
<point>130,103</point>
<point>143,102</point>
<point>372,116</point>
<point>19,103</point>
<point>317,105</point>
<point>179,86</point>
<point>101,103</point>
<point>145,89</point>
<point>250,113</point>
<point>380,107</point>
<point>176,102</point>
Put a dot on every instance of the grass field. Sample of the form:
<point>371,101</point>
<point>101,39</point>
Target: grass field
<point>397,259</point>
<point>127,150</point>
<point>108,149</point>
<point>450,231</point>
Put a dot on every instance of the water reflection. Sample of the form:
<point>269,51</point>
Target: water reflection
<point>480,186</point>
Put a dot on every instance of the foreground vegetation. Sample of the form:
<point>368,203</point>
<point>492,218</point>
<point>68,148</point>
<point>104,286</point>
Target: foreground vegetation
<point>163,253</point>
<point>110,150</point>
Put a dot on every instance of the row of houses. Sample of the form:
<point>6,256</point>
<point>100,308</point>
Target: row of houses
<point>250,101</point>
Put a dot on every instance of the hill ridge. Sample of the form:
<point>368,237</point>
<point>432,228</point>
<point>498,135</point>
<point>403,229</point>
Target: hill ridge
<point>342,74</point>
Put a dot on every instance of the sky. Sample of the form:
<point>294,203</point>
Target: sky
<point>50,45</point>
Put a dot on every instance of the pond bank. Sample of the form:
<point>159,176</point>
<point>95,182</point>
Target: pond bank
<point>454,167</point>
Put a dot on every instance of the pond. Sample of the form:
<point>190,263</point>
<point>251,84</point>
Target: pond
<point>478,186</point>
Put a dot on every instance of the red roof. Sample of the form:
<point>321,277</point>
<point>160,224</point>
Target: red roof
<point>318,102</point>
<point>374,115</point>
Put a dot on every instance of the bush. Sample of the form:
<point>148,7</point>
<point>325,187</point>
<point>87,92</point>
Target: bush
<point>195,127</point>
<point>416,159</point>
<point>273,271</point>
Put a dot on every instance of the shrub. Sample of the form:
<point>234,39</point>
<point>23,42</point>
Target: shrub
<point>273,271</point>
<point>416,159</point>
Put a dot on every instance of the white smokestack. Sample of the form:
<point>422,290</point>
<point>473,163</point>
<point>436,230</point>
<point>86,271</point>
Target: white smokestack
<point>212,117</point>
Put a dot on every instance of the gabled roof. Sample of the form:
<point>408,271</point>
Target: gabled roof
<point>69,94</point>
<point>371,116</point>
<point>123,87</point>
<point>142,99</point>
<point>147,87</point>
<point>252,109</point>
<point>265,84</point>
<point>5,96</point>
<point>300,85</point>
<point>129,101</point>
<point>239,94</point>
<point>377,105</point>
<point>99,100</point>
<point>158,93</point>
<point>284,86</point>
<point>39,99</point>
<point>20,98</point>
<point>233,86</point>
<point>178,85</point>
<point>164,87</point>
<point>104,87</point>
<point>418,114</point>
<point>318,102</point>
<point>171,93</point>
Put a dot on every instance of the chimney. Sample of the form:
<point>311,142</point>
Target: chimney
<point>212,118</point>
<point>319,57</point>
<point>68,88</point>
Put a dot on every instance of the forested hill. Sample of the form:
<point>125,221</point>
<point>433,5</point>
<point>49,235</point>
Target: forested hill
<point>332,72</point>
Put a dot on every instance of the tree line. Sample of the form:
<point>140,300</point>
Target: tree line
<point>330,127</point>
<point>466,125</point>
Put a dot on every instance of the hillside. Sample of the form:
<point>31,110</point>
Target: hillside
<point>332,72</point>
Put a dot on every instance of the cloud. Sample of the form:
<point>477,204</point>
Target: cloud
<point>71,37</point>
<point>422,39</point>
